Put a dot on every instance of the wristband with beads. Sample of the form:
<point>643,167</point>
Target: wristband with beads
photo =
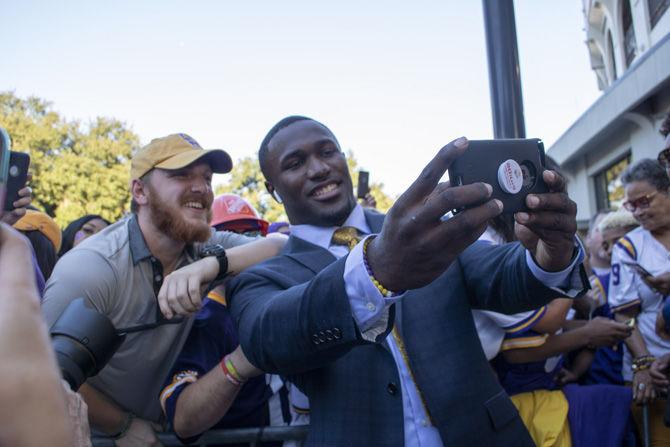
<point>383,290</point>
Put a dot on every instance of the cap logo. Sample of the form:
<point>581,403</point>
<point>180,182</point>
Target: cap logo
<point>235,206</point>
<point>190,140</point>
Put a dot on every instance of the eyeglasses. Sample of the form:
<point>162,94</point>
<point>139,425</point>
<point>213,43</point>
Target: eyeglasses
<point>641,202</point>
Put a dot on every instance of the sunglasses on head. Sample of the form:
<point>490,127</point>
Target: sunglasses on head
<point>639,203</point>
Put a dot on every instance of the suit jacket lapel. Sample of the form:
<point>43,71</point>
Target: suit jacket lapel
<point>310,255</point>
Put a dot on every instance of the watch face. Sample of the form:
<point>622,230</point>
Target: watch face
<point>212,250</point>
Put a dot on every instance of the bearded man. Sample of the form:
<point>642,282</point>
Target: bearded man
<point>146,269</point>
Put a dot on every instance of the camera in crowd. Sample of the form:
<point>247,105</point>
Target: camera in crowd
<point>84,341</point>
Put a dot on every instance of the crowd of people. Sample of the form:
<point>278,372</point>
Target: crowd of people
<point>421,327</point>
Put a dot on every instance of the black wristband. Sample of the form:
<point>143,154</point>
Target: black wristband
<point>220,253</point>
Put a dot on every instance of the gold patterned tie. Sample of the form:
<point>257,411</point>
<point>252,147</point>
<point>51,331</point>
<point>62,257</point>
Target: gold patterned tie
<point>347,237</point>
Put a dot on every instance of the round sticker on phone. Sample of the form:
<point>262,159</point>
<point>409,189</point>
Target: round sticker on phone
<point>510,176</point>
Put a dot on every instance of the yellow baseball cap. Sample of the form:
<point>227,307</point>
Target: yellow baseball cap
<point>176,151</point>
<point>38,221</point>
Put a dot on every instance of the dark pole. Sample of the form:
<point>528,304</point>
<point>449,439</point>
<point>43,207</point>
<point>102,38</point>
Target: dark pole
<point>504,71</point>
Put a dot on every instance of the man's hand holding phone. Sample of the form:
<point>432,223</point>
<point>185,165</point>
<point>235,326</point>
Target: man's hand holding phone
<point>15,196</point>
<point>416,245</point>
<point>548,228</point>
<point>20,205</point>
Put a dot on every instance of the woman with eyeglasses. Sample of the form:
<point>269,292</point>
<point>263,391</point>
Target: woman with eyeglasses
<point>640,282</point>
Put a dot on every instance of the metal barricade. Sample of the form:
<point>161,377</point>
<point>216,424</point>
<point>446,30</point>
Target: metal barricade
<point>252,436</point>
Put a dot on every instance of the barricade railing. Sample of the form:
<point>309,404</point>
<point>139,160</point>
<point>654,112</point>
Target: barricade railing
<point>252,436</point>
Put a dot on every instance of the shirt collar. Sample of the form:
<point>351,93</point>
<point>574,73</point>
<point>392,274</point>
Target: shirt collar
<point>321,236</point>
<point>138,246</point>
<point>139,250</point>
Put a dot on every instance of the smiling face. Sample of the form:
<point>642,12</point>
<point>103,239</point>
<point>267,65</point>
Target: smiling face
<point>309,171</point>
<point>180,201</point>
<point>652,208</point>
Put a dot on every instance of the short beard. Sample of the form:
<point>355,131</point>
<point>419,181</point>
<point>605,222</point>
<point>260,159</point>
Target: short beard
<point>171,223</point>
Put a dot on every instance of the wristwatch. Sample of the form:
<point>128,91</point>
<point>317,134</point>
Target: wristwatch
<point>220,253</point>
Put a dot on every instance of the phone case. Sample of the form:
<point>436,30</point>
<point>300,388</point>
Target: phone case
<point>19,162</point>
<point>363,184</point>
<point>512,167</point>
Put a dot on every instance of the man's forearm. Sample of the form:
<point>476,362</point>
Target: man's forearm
<point>203,403</point>
<point>103,414</point>
<point>244,256</point>
<point>554,316</point>
<point>554,345</point>
<point>582,362</point>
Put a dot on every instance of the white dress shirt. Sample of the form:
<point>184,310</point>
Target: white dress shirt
<point>370,310</point>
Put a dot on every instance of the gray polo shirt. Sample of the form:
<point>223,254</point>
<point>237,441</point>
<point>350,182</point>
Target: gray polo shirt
<point>115,272</point>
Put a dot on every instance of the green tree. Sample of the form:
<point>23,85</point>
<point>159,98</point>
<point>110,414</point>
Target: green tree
<point>76,169</point>
<point>247,181</point>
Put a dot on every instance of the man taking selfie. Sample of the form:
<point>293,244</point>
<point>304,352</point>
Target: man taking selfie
<point>370,315</point>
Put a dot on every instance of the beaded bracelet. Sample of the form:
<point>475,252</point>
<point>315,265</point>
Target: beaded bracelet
<point>642,362</point>
<point>644,359</point>
<point>642,367</point>
<point>383,290</point>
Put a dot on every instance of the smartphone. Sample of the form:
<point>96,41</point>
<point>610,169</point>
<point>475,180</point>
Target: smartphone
<point>19,162</point>
<point>5,145</point>
<point>637,268</point>
<point>512,167</point>
<point>363,184</point>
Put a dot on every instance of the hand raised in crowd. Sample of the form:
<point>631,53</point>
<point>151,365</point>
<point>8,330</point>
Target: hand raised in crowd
<point>369,201</point>
<point>415,246</point>
<point>605,332</point>
<point>548,229</point>
<point>659,283</point>
<point>141,433</point>
<point>20,206</point>
<point>659,373</point>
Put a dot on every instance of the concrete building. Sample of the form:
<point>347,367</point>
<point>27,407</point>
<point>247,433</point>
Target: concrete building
<point>628,42</point>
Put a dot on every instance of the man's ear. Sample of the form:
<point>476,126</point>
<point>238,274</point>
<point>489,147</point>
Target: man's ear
<point>139,192</point>
<point>273,192</point>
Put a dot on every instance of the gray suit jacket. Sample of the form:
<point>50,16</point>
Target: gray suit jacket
<point>295,319</point>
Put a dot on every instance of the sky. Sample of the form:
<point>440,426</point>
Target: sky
<point>394,80</point>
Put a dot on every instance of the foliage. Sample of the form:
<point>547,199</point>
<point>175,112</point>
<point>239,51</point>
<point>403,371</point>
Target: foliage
<point>84,169</point>
<point>247,181</point>
<point>76,169</point>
